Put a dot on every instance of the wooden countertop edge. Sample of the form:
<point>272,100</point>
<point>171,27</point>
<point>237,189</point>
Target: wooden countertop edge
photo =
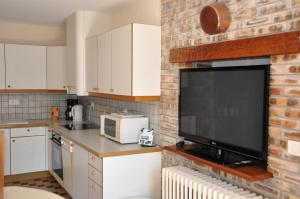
<point>32,91</point>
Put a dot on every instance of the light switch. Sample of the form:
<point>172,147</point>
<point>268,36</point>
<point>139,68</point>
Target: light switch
<point>293,148</point>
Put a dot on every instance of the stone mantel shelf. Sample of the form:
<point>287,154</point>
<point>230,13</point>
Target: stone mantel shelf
<point>277,44</point>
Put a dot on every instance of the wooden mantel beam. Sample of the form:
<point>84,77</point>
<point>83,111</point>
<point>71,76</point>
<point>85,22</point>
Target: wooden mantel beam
<point>283,43</point>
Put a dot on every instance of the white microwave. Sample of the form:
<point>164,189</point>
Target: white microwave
<point>124,130</point>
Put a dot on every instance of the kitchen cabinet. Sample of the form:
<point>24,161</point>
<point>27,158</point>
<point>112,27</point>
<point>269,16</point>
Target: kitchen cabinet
<point>104,56</point>
<point>80,173</point>
<point>134,68</point>
<point>2,67</point>
<point>6,151</point>
<point>91,64</point>
<point>121,60</point>
<point>56,67</point>
<point>28,150</point>
<point>25,66</point>
<point>67,149</point>
<point>106,176</point>
<point>49,150</point>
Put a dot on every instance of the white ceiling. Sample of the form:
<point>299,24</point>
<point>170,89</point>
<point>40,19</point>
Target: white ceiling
<point>50,11</point>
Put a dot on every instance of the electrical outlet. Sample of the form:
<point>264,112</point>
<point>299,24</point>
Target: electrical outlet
<point>92,104</point>
<point>294,148</point>
<point>13,102</point>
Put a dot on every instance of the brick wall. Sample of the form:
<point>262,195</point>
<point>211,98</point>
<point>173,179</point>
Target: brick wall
<point>250,18</point>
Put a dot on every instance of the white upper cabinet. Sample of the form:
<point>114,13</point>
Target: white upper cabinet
<point>121,60</point>
<point>104,57</point>
<point>130,60</point>
<point>25,66</point>
<point>146,60</point>
<point>91,64</point>
<point>2,67</point>
<point>56,67</point>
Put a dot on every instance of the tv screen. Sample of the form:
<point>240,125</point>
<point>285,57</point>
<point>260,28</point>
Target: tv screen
<point>225,107</point>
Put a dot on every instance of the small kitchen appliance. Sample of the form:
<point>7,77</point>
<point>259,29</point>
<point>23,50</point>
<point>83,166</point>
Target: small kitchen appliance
<point>146,137</point>
<point>77,113</point>
<point>123,127</point>
<point>70,104</point>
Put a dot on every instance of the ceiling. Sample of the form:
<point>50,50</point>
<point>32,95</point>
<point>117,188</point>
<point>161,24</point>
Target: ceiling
<point>50,11</point>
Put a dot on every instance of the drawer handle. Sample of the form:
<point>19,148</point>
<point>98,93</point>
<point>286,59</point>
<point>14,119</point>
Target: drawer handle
<point>13,140</point>
<point>28,130</point>
<point>93,158</point>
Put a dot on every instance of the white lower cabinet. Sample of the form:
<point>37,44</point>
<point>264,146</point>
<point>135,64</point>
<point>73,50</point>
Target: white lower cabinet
<point>6,151</point>
<point>49,150</point>
<point>80,173</point>
<point>27,154</point>
<point>67,165</point>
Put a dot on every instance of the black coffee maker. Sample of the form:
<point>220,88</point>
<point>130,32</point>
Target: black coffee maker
<point>70,104</point>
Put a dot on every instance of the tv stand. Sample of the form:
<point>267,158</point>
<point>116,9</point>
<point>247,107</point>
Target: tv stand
<point>250,172</point>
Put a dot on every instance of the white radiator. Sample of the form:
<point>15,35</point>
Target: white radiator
<point>183,183</point>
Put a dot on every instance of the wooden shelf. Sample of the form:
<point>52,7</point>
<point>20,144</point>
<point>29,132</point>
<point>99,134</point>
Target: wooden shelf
<point>127,98</point>
<point>33,91</point>
<point>250,173</point>
<point>277,44</point>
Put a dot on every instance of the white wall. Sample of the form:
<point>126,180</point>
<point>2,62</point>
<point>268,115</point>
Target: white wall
<point>20,33</point>
<point>138,11</point>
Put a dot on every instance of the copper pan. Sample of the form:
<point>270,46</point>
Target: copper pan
<point>215,18</point>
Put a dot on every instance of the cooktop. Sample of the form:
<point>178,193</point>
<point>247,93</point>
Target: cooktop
<point>81,126</point>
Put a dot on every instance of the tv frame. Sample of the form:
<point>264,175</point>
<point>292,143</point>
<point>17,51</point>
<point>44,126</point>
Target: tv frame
<point>258,155</point>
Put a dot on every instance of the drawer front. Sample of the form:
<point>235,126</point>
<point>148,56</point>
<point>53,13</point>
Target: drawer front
<point>95,161</point>
<point>23,132</point>
<point>95,175</point>
<point>95,191</point>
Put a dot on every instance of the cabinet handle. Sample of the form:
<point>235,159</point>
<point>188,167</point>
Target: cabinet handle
<point>13,140</point>
<point>8,86</point>
<point>111,90</point>
<point>28,130</point>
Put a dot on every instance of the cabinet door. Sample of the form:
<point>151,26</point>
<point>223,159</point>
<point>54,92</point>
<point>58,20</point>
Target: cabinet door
<point>56,67</point>
<point>122,60</point>
<point>27,154</point>
<point>67,170</point>
<point>25,66</point>
<point>104,75</point>
<point>91,64</point>
<point>2,67</point>
<point>146,64</point>
<point>49,151</point>
<point>6,151</point>
<point>80,173</point>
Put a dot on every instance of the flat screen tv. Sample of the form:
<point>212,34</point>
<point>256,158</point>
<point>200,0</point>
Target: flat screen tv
<point>226,108</point>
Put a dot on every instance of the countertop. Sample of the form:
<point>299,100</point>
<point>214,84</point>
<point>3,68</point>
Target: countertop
<point>91,140</point>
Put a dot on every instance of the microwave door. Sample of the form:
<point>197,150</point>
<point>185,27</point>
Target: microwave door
<point>110,128</point>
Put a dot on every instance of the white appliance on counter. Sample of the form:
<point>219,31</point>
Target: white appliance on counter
<point>123,127</point>
<point>77,113</point>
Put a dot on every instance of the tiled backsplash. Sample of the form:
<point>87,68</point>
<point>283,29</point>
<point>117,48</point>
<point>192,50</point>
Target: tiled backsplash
<point>149,109</point>
<point>31,106</point>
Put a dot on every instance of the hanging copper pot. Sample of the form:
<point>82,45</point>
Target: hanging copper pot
<point>215,18</point>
